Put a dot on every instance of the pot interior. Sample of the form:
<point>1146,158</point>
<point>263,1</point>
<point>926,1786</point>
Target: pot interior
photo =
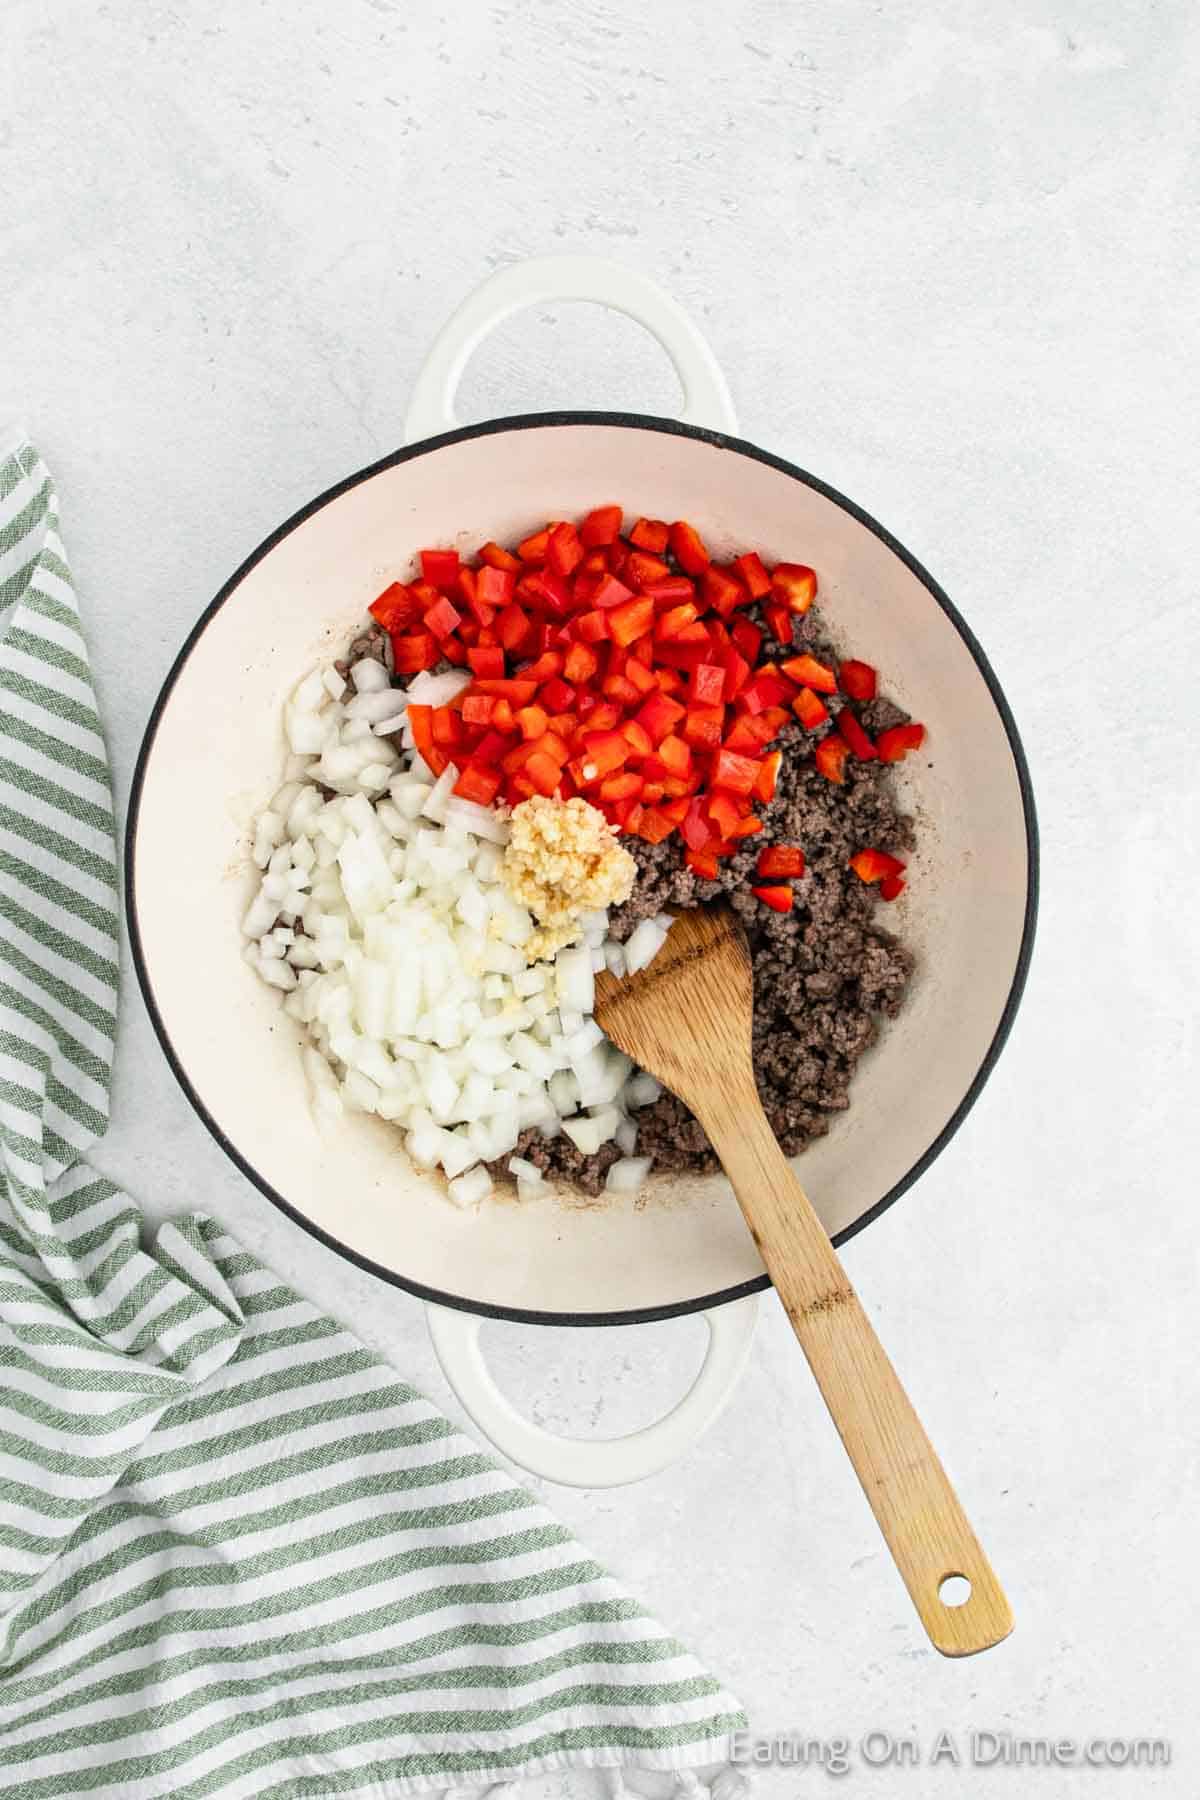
<point>215,758</point>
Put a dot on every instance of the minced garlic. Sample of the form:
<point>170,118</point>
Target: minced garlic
<point>563,859</point>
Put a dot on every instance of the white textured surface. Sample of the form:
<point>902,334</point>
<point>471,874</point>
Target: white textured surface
<point>947,255</point>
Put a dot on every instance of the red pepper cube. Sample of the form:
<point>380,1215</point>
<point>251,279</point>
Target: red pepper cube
<point>676,620</point>
<point>495,587</point>
<point>638,738</point>
<point>518,692</point>
<point>631,620</point>
<point>591,627</point>
<point>891,887</point>
<point>806,671</point>
<point>581,664</point>
<point>533,548</point>
<point>512,628</point>
<point>795,584</point>
<point>454,651</point>
<point>753,574</point>
<point>564,552</point>
<point>497,558</point>
<point>720,590</point>
<point>687,547</point>
<point>675,755</point>
<point>651,535</point>
<point>707,684</point>
<point>543,772</point>
<point>544,667</point>
<point>748,638</point>
<point>702,863</point>
<point>502,715</point>
<point>603,751</point>
<point>490,748</point>
<point>779,621</point>
<point>395,608</point>
<point>780,861</point>
<point>531,721</point>
<point>439,567</point>
<point>447,727</point>
<point>747,826</point>
<point>655,826</point>
<point>486,661</point>
<point>858,680</point>
<point>478,784</point>
<point>674,591</point>
<point>601,526</point>
<point>626,785</point>
<point>638,675</point>
<point>659,714</point>
<point>768,777</point>
<point>413,653</point>
<point>611,593</point>
<point>442,619</point>
<point>809,709</point>
<point>830,758</point>
<point>849,728</point>
<point>702,727</point>
<point>873,865</point>
<point>645,571</point>
<point>477,709</point>
<point>734,772</point>
<point>696,828</point>
<point>779,899</point>
<point>748,733</point>
<point>724,812</point>
<point>898,740</point>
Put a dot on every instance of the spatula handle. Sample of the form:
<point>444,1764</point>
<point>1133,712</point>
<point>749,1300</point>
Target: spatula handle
<point>910,1494</point>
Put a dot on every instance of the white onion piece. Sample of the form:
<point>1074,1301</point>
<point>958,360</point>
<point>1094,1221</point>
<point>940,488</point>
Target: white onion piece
<point>385,727</point>
<point>575,984</point>
<point>627,1175</point>
<point>426,689</point>
<point>370,677</point>
<point>643,945</point>
<point>480,821</point>
<point>434,804</point>
<point>471,1188</point>
<point>642,1089</point>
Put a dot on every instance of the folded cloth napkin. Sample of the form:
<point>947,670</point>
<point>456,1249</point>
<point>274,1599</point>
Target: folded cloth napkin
<point>238,1556</point>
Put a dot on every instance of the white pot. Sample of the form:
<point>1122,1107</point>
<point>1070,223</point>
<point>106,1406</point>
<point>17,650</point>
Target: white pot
<point>212,756</point>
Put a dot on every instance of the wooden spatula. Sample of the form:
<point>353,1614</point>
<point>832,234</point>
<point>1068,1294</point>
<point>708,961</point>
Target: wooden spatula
<point>686,1018</point>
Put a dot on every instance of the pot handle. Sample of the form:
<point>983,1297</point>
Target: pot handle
<point>594,1462</point>
<point>706,399</point>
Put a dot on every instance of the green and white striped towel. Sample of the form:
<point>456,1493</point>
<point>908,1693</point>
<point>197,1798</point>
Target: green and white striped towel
<point>238,1557</point>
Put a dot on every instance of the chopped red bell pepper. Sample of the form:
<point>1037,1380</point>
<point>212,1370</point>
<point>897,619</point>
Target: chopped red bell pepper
<point>564,552</point>
<point>413,653</point>
<point>651,535</point>
<point>795,584</point>
<point>645,570</point>
<point>439,567</point>
<point>748,638</point>
<point>498,558</point>
<point>543,772</point>
<point>671,592</point>
<point>603,751</point>
<point>531,721</point>
<point>891,887</point>
<point>631,619</point>
<point>873,865</point>
<point>780,860</point>
<point>490,748</point>
<point>558,696</point>
<point>702,863</point>
<point>611,593</point>
<point>533,548</point>
<point>733,771</point>
<point>394,608</point>
<point>443,619</point>
<point>830,757</point>
<point>480,785</point>
<point>513,628</point>
<point>675,755</point>
<point>858,679</point>
<point>808,672</point>
<point>591,627</point>
<point>849,728</point>
<point>638,738</point>
<point>676,619</point>
<point>721,591</point>
<point>581,664</point>
<point>625,785</point>
<point>768,777</point>
<point>639,677</point>
<point>779,899</point>
<point>655,826</point>
<point>703,726</point>
<point>659,714</point>
<point>495,587</point>
<point>779,619</point>
<point>687,547</point>
<point>487,661</point>
<point>750,568</point>
<point>810,710</point>
<point>477,709</point>
<point>707,685</point>
<point>516,692</point>
<point>601,526</point>
<point>898,740</point>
